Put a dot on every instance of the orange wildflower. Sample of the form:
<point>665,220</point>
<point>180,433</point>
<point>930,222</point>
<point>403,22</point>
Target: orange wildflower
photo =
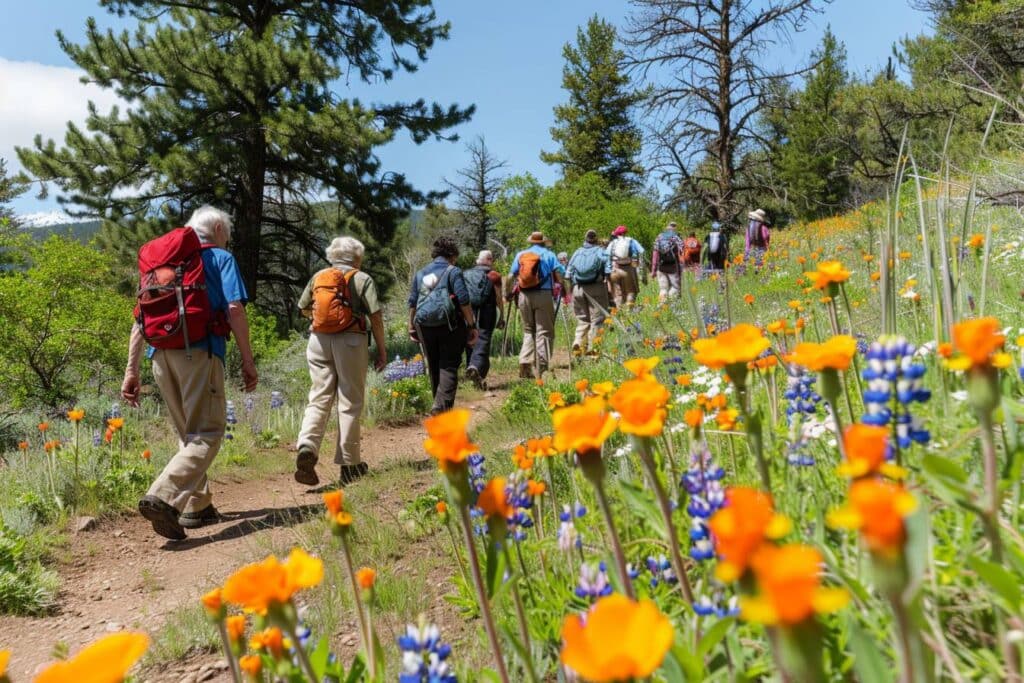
<point>115,423</point>
<point>684,380</point>
<point>766,363</point>
<point>790,590</point>
<point>521,457</point>
<point>540,448</point>
<point>147,454</point>
<point>795,305</point>
<point>878,509</point>
<point>262,585</point>
<point>739,344</point>
<point>251,666</point>
<point>235,626</point>
<point>694,417</point>
<point>977,241</point>
<point>43,426</point>
<point>620,640</point>
<point>748,299</point>
<point>865,447</point>
<point>640,404</point>
<point>583,427</point>
<point>493,501</point>
<point>945,349</point>
<point>535,488</point>
<point>828,272</point>
<point>603,388</point>
<point>556,400</point>
<point>447,439</point>
<point>5,657</point>
<point>777,326</point>
<point>442,508</point>
<point>581,385</point>
<point>108,435</point>
<point>107,659</point>
<point>366,577</point>
<point>333,501</point>
<point>271,640</point>
<point>726,419</point>
<point>23,445</point>
<point>213,603</point>
<point>979,343</point>
<point>76,415</point>
<point>834,354</point>
<point>741,527</point>
<point>876,276</point>
<point>642,367</point>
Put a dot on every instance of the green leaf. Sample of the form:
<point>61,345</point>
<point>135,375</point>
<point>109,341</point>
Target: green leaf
<point>943,467</point>
<point>867,660</point>
<point>358,670</point>
<point>319,657</point>
<point>999,579</point>
<point>714,635</point>
<point>690,665</point>
<point>641,503</point>
<point>918,552</point>
<point>495,567</point>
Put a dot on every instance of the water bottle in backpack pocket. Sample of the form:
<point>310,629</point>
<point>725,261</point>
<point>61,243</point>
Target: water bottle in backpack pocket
<point>435,307</point>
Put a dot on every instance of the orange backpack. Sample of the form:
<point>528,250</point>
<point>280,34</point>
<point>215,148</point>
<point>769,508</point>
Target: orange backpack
<point>691,250</point>
<point>529,276</point>
<point>332,306</point>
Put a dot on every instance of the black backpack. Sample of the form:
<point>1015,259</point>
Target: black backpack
<point>479,285</point>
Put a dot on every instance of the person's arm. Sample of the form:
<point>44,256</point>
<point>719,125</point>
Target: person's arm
<point>766,235</point>
<point>467,315</point>
<point>413,334</point>
<point>655,257</point>
<point>305,303</point>
<point>238,321</point>
<point>377,329</point>
<point>746,240</point>
<point>130,387</point>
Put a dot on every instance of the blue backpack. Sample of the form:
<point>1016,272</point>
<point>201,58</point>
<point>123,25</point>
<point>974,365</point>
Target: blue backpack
<point>434,307</point>
<point>587,265</point>
<point>479,286</point>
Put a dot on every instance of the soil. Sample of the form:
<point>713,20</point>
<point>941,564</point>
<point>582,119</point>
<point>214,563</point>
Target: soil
<point>120,576</point>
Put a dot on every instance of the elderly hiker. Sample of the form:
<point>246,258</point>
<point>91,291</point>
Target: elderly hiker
<point>624,252</point>
<point>588,270</point>
<point>338,300</point>
<point>665,258</point>
<point>536,270</point>
<point>441,320</point>
<point>484,285</point>
<point>716,249</point>
<point>191,299</point>
<point>758,238</point>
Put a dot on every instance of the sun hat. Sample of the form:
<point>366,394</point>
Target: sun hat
<point>536,238</point>
<point>758,215</point>
<point>620,231</point>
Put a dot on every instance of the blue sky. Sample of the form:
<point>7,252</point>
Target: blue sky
<point>503,56</point>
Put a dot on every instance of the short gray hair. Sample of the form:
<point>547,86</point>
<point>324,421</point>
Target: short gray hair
<point>345,250</point>
<point>485,257</point>
<point>205,219</point>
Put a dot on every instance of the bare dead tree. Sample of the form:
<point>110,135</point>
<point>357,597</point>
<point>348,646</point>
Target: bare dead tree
<point>703,63</point>
<point>480,181</point>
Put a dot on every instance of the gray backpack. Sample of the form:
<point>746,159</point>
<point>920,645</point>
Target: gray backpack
<point>435,307</point>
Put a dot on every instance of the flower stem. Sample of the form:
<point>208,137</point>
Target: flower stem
<point>363,625</point>
<point>304,662</point>
<point>458,554</point>
<point>620,557</point>
<point>991,463</point>
<point>236,674</point>
<point>524,631</point>
<point>481,591</point>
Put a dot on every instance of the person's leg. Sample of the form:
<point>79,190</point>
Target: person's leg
<point>429,337</point>
<point>581,309</point>
<point>630,283</point>
<point>450,358</point>
<point>527,354</point>
<point>674,282</point>
<point>352,358</point>
<point>323,385</point>
<point>664,286</point>
<point>618,288</point>
<point>597,298</point>
<point>544,322</point>
<point>482,353</point>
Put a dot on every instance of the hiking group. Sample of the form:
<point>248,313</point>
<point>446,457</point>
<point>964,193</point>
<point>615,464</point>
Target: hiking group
<point>191,299</point>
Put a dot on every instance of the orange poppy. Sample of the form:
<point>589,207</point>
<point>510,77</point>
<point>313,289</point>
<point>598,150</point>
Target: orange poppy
<point>583,427</point>
<point>23,445</point>
<point>442,508</point>
<point>43,426</point>
<point>251,666</point>
<point>147,454</point>
<point>107,659</point>
<point>115,423</point>
<point>642,367</point>
<point>980,344</point>
<point>366,577</point>
<point>878,509</point>
<point>865,447</point>
<point>789,584</point>
<point>5,657</point>
<point>447,439</point>
<point>694,417</point>
<point>521,457</point>
<point>213,603</point>
<point>748,299</point>
<point>535,488</point>
<point>556,400</point>
<point>76,415</point>
<point>828,272</point>
<point>333,501</point>
<point>493,501</point>
<point>743,525</point>
<point>977,241</point>
<point>235,626</point>
<point>739,344</point>
<point>271,640</point>
<point>684,380</point>
<point>541,448</point>
<point>641,407</point>
<point>834,354</point>
<point>777,326</point>
<point>581,385</point>
<point>619,639</point>
<point>262,585</point>
<point>726,419</point>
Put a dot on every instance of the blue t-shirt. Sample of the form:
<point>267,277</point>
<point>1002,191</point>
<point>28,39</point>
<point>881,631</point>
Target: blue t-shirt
<point>223,285</point>
<point>437,267</point>
<point>549,264</point>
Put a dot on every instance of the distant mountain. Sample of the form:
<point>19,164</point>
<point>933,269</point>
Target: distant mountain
<point>47,219</point>
<point>45,223</point>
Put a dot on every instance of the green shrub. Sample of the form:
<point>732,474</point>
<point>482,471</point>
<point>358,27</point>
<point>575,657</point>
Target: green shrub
<point>26,588</point>
<point>400,402</point>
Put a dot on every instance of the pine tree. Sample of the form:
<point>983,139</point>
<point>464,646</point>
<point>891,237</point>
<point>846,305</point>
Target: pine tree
<point>233,102</point>
<point>594,128</point>
<point>474,194</point>
<point>11,187</point>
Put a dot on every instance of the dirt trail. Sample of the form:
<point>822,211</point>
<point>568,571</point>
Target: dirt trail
<point>121,576</point>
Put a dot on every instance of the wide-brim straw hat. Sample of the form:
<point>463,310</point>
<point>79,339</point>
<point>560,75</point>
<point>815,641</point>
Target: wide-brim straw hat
<point>537,238</point>
<point>757,215</point>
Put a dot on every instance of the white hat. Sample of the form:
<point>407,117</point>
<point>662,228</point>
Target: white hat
<point>758,215</point>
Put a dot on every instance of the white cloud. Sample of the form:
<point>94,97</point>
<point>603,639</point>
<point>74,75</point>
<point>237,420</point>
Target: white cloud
<point>41,99</point>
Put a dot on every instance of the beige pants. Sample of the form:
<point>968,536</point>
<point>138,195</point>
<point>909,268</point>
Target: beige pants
<point>337,371</point>
<point>624,284</point>
<point>193,391</point>
<point>668,285</point>
<point>537,309</point>
<point>589,303</point>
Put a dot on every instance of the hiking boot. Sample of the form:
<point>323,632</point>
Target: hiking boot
<point>195,520</point>
<point>474,376</point>
<point>525,371</point>
<point>349,473</point>
<point>163,517</point>
<point>305,467</point>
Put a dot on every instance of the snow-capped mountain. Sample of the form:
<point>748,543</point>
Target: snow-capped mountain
<point>47,219</point>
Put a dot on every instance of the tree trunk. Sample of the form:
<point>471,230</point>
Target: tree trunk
<point>249,222</point>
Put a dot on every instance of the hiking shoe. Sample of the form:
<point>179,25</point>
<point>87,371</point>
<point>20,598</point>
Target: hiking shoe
<point>525,371</point>
<point>473,373</point>
<point>305,467</point>
<point>163,517</point>
<point>349,473</point>
<point>195,520</point>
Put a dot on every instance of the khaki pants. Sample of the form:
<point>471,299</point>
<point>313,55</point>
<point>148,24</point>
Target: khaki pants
<point>624,284</point>
<point>193,391</point>
<point>337,372</point>
<point>537,310</point>
<point>668,285</point>
<point>589,303</point>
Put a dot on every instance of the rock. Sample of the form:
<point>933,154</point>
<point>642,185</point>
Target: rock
<point>83,524</point>
<point>221,665</point>
<point>85,626</point>
<point>190,678</point>
<point>350,640</point>
<point>118,533</point>
<point>113,626</point>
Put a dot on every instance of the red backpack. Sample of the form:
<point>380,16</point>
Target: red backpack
<point>173,308</point>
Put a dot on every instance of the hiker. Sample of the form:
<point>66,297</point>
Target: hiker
<point>484,285</point>
<point>441,320</point>
<point>536,270</point>
<point>188,363</point>
<point>338,300</point>
<point>665,258</point>
<point>716,249</point>
<point>557,290</point>
<point>588,270</point>
<point>691,252</point>
<point>758,238</point>
<point>624,252</point>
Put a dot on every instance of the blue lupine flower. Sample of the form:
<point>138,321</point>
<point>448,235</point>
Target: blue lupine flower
<point>801,400</point>
<point>276,400</point>
<point>568,537</point>
<point>713,606</point>
<point>402,369</point>
<point>477,480</point>
<point>593,583</point>
<point>703,482</point>
<point>661,571</point>
<point>895,381</point>
<point>250,403</point>
<point>522,503</point>
<point>97,438</point>
<point>424,656</point>
<point>230,418</point>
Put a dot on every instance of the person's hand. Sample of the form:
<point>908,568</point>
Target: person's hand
<point>413,336</point>
<point>382,360</point>
<point>250,378</point>
<point>130,389</point>
<point>472,337</point>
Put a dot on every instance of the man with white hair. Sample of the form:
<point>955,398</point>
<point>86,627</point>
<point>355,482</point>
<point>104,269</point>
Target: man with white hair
<point>338,300</point>
<point>484,285</point>
<point>191,379</point>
